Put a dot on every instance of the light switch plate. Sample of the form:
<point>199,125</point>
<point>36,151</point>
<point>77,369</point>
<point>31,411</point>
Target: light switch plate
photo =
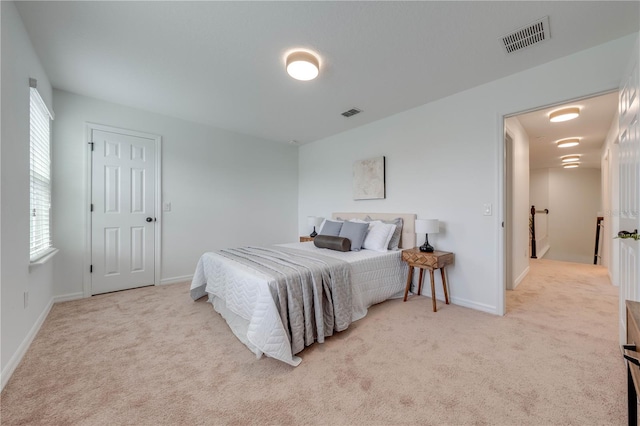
<point>166,207</point>
<point>487,209</point>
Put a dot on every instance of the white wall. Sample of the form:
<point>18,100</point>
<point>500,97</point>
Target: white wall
<point>539,197</point>
<point>18,324</point>
<point>519,203</point>
<point>444,160</point>
<point>574,202</point>
<point>225,189</point>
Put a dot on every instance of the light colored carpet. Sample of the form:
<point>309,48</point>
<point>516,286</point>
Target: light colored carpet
<point>152,356</point>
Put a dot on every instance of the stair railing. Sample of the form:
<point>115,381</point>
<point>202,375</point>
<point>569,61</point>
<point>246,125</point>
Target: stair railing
<point>532,229</point>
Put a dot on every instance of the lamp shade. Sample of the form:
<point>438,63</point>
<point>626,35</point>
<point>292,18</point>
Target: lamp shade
<point>314,220</point>
<point>427,226</point>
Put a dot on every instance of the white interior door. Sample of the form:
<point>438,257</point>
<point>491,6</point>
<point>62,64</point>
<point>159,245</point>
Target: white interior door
<point>629,164</point>
<point>123,215</point>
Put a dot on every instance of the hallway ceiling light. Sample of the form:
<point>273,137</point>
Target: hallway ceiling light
<point>302,66</point>
<point>571,165</point>
<point>570,158</point>
<point>566,143</point>
<point>564,114</point>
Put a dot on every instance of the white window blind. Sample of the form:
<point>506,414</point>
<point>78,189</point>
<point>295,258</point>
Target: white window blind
<point>40,178</point>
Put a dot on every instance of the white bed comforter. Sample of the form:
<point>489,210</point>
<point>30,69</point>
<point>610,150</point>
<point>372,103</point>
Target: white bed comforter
<point>242,296</point>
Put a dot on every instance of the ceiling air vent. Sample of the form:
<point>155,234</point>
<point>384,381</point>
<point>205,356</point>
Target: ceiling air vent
<point>534,33</point>
<point>351,112</point>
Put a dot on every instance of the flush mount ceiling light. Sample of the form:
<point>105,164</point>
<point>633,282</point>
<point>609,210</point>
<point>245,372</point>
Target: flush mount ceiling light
<point>564,114</point>
<point>302,66</point>
<point>571,165</point>
<point>566,143</point>
<point>570,158</point>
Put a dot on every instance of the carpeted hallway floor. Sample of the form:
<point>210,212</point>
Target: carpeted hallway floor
<point>152,356</point>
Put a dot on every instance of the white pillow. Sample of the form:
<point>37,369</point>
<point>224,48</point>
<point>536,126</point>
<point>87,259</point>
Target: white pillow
<point>378,237</point>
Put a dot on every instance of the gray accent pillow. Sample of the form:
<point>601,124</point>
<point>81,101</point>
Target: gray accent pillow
<point>331,227</point>
<point>331,242</point>
<point>395,239</point>
<point>356,232</point>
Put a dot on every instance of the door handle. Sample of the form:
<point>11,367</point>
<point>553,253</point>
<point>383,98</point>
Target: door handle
<point>627,234</point>
<point>149,219</point>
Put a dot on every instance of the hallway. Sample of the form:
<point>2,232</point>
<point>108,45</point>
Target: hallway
<point>572,297</point>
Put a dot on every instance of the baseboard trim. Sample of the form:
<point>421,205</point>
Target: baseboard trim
<point>473,305</point>
<point>520,277</point>
<point>174,280</point>
<point>68,297</point>
<point>543,251</point>
<point>461,302</point>
<point>24,346</point>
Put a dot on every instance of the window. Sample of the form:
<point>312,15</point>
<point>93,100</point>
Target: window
<point>40,177</point>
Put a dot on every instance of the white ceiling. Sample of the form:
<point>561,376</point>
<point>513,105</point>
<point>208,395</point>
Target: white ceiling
<point>222,63</point>
<point>592,126</point>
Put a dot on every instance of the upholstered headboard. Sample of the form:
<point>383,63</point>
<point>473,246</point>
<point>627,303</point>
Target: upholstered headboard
<point>408,238</point>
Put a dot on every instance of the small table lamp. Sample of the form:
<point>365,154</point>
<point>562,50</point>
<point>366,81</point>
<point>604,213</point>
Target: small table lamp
<point>427,226</point>
<point>314,221</point>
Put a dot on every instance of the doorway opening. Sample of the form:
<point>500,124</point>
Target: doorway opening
<point>553,209</point>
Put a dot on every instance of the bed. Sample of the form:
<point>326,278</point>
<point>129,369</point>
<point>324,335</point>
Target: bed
<point>279,313</point>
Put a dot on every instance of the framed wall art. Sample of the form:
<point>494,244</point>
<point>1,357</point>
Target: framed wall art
<point>369,179</point>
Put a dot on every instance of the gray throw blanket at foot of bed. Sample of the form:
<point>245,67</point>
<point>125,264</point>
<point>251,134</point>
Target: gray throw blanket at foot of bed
<point>312,292</point>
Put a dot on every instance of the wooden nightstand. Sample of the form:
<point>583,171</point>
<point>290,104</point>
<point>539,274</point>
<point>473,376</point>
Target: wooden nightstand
<point>305,238</point>
<point>431,261</point>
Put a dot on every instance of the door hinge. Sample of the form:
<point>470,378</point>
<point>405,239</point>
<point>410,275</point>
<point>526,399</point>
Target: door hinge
<point>91,143</point>
<point>91,207</point>
<point>90,269</point>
